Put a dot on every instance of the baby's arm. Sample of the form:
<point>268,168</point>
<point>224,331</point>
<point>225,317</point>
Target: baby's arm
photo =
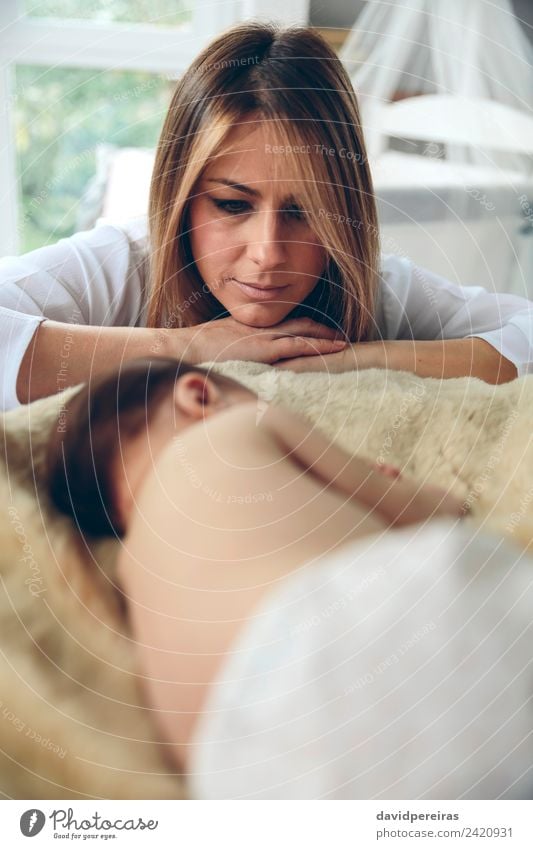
<point>398,500</point>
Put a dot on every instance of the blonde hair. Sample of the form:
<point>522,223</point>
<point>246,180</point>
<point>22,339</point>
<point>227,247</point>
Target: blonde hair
<point>290,78</point>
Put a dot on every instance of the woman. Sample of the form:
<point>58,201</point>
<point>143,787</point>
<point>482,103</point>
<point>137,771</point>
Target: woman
<point>214,505</point>
<point>262,216</point>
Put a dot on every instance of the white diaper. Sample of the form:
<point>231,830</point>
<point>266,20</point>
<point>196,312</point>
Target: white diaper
<point>398,667</point>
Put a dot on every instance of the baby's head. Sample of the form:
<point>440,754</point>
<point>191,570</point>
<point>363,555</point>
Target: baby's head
<point>110,432</point>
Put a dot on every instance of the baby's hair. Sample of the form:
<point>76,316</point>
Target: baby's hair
<point>81,452</point>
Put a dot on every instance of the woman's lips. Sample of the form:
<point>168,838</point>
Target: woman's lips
<point>259,294</point>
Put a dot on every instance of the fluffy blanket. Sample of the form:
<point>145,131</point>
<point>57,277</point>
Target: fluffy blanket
<point>72,721</point>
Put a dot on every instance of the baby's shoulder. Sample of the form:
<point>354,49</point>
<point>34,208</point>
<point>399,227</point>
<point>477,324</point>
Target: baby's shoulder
<point>231,444</point>
<point>231,435</point>
<point>197,475</point>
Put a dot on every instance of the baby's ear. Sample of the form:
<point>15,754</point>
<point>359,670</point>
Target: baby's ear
<point>195,394</point>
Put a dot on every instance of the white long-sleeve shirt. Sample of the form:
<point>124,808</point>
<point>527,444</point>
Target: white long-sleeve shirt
<point>99,277</point>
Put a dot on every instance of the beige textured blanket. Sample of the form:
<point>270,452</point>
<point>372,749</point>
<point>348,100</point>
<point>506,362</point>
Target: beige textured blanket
<point>71,717</point>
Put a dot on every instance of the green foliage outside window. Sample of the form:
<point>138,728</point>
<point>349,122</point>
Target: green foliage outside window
<point>61,115</point>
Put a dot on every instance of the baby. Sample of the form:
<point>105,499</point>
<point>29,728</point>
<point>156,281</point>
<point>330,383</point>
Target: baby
<point>215,500</point>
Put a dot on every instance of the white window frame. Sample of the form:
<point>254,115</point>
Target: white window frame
<point>113,46</point>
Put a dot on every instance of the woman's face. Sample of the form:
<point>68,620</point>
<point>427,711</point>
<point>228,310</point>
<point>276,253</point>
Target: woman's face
<point>246,229</point>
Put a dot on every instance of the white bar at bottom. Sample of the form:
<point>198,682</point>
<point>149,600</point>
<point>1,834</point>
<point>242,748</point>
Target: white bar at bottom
<point>268,824</point>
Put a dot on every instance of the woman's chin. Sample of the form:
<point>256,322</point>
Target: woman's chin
<point>260,315</point>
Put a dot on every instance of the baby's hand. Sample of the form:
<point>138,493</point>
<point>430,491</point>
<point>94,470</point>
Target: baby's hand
<point>387,469</point>
<point>422,502</point>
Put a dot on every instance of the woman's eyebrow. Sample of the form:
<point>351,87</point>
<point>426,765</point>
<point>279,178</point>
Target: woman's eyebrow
<point>242,188</point>
<point>239,186</point>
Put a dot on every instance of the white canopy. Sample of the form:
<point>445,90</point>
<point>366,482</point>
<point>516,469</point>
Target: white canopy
<point>402,48</point>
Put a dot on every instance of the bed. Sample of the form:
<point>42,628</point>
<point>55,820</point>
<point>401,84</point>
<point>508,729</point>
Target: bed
<point>73,724</point>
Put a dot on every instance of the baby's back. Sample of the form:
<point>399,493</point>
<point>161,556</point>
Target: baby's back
<point>223,516</point>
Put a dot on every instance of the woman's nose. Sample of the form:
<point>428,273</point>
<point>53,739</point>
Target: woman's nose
<point>266,245</point>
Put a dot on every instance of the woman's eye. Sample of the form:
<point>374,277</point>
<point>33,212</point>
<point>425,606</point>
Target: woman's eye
<point>294,211</point>
<point>234,207</point>
<point>239,207</point>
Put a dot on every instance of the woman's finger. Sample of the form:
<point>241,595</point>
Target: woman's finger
<point>302,346</point>
<point>306,327</point>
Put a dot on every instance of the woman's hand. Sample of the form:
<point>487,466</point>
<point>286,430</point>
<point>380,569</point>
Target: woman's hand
<point>362,355</point>
<point>229,339</point>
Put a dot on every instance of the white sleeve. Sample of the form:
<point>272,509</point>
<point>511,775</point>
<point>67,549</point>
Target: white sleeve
<point>415,303</point>
<point>94,277</point>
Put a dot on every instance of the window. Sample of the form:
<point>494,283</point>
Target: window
<point>164,13</point>
<point>68,121</point>
<point>80,76</point>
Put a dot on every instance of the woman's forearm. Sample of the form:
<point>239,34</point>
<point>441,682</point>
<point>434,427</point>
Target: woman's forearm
<point>471,357</point>
<point>446,358</point>
<point>62,355</point>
